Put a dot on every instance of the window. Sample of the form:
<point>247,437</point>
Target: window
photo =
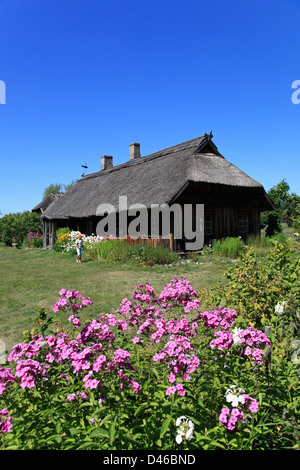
<point>89,227</point>
<point>208,224</point>
<point>243,223</point>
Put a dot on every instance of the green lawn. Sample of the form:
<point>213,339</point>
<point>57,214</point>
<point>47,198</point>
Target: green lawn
<point>31,280</point>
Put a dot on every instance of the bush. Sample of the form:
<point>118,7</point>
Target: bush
<point>158,374</point>
<point>152,255</point>
<point>33,240</point>
<point>255,287</point>
<point>296,224</point>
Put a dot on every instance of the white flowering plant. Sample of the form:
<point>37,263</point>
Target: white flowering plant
<point>185,428</point>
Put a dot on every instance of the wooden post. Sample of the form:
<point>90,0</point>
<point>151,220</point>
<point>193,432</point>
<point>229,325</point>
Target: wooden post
<point>45,234</point>
<point>268,353</point>
<point>171,242</point>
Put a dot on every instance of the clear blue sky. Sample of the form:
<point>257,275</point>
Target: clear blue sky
<point>88,77</point>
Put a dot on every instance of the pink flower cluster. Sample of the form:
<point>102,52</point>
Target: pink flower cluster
<point>5,421</point>
<point>34,235</point>
<point>29,371</point>
<point>27,350</point>
<point>101,329</point>
<point>224,340</point>
<point>92,358</point>
<point>134,312</point>
<point>120,362</point>
<point>6,378</point>
<point>254,339</point>
<point>83,356</point>
<point>76,396</point>
<point>179,292</point>
<point>229,418</point>
<point>150,321</point>
<point>180,362</point>
<point>221,316</point>
<point>72,299</point>
<point>144,292</point>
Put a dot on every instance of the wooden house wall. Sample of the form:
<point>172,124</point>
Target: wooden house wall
<point>225,204</point>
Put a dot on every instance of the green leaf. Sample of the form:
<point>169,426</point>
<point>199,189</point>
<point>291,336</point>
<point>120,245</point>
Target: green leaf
<point>74,431</point>
<point>99,433</point>
<point>84,445</point>
<point>140,408</point>
<point>112,432</point>
<point>165,426</point>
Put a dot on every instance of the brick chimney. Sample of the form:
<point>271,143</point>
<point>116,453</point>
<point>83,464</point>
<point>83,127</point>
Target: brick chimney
<point>106,162</point>
<point>134,151</point>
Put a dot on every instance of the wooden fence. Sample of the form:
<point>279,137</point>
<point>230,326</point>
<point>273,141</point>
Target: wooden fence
<point>170,243</point>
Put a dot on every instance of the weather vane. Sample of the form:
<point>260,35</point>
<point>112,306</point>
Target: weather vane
<point>84,166</point>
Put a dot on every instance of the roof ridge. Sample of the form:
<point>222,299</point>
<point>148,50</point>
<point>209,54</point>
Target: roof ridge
<point>160,153</point>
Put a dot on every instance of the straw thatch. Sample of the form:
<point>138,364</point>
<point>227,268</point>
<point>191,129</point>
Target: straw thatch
<point>155,179</point>
<point>45,203</point>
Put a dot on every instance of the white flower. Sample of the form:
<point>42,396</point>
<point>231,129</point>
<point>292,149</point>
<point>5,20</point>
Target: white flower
<point>279,308</point>
<point>234,396</point>
<point>185,429</point>
<point>236,338</point>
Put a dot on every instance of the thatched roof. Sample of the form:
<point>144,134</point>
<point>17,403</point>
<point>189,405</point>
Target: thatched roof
<point>45,203</point>
<point>153,179</point>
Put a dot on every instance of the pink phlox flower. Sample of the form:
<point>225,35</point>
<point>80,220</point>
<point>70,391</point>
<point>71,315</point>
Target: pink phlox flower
<point>5,421</point>
<point>99,362</point>
<point>221,316</point>
<point>75,321</point>
<point>143,292</point>
<point>178,291</point>
<point>224,340</point>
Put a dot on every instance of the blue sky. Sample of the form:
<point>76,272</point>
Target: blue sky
<point>86,78</point>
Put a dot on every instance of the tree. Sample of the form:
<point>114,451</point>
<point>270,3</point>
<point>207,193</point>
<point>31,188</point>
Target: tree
<point>58,188</point>
<point>287,208</point>
<point>15,227</point>
<point>52,189</point>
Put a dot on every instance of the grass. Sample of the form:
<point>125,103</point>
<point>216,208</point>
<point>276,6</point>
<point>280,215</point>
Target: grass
<point>31,279</point>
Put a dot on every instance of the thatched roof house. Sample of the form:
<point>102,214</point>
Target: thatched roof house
<point>191,172</point>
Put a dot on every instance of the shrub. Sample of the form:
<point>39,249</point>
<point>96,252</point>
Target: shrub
<point>255,287</point>
<point>152,255</point>
<point>34,240</point>
<point>157,374</point>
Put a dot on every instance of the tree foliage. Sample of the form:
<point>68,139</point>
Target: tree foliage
<point>287,208</point>
<point>15,227</point>
<point>57,188</point>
